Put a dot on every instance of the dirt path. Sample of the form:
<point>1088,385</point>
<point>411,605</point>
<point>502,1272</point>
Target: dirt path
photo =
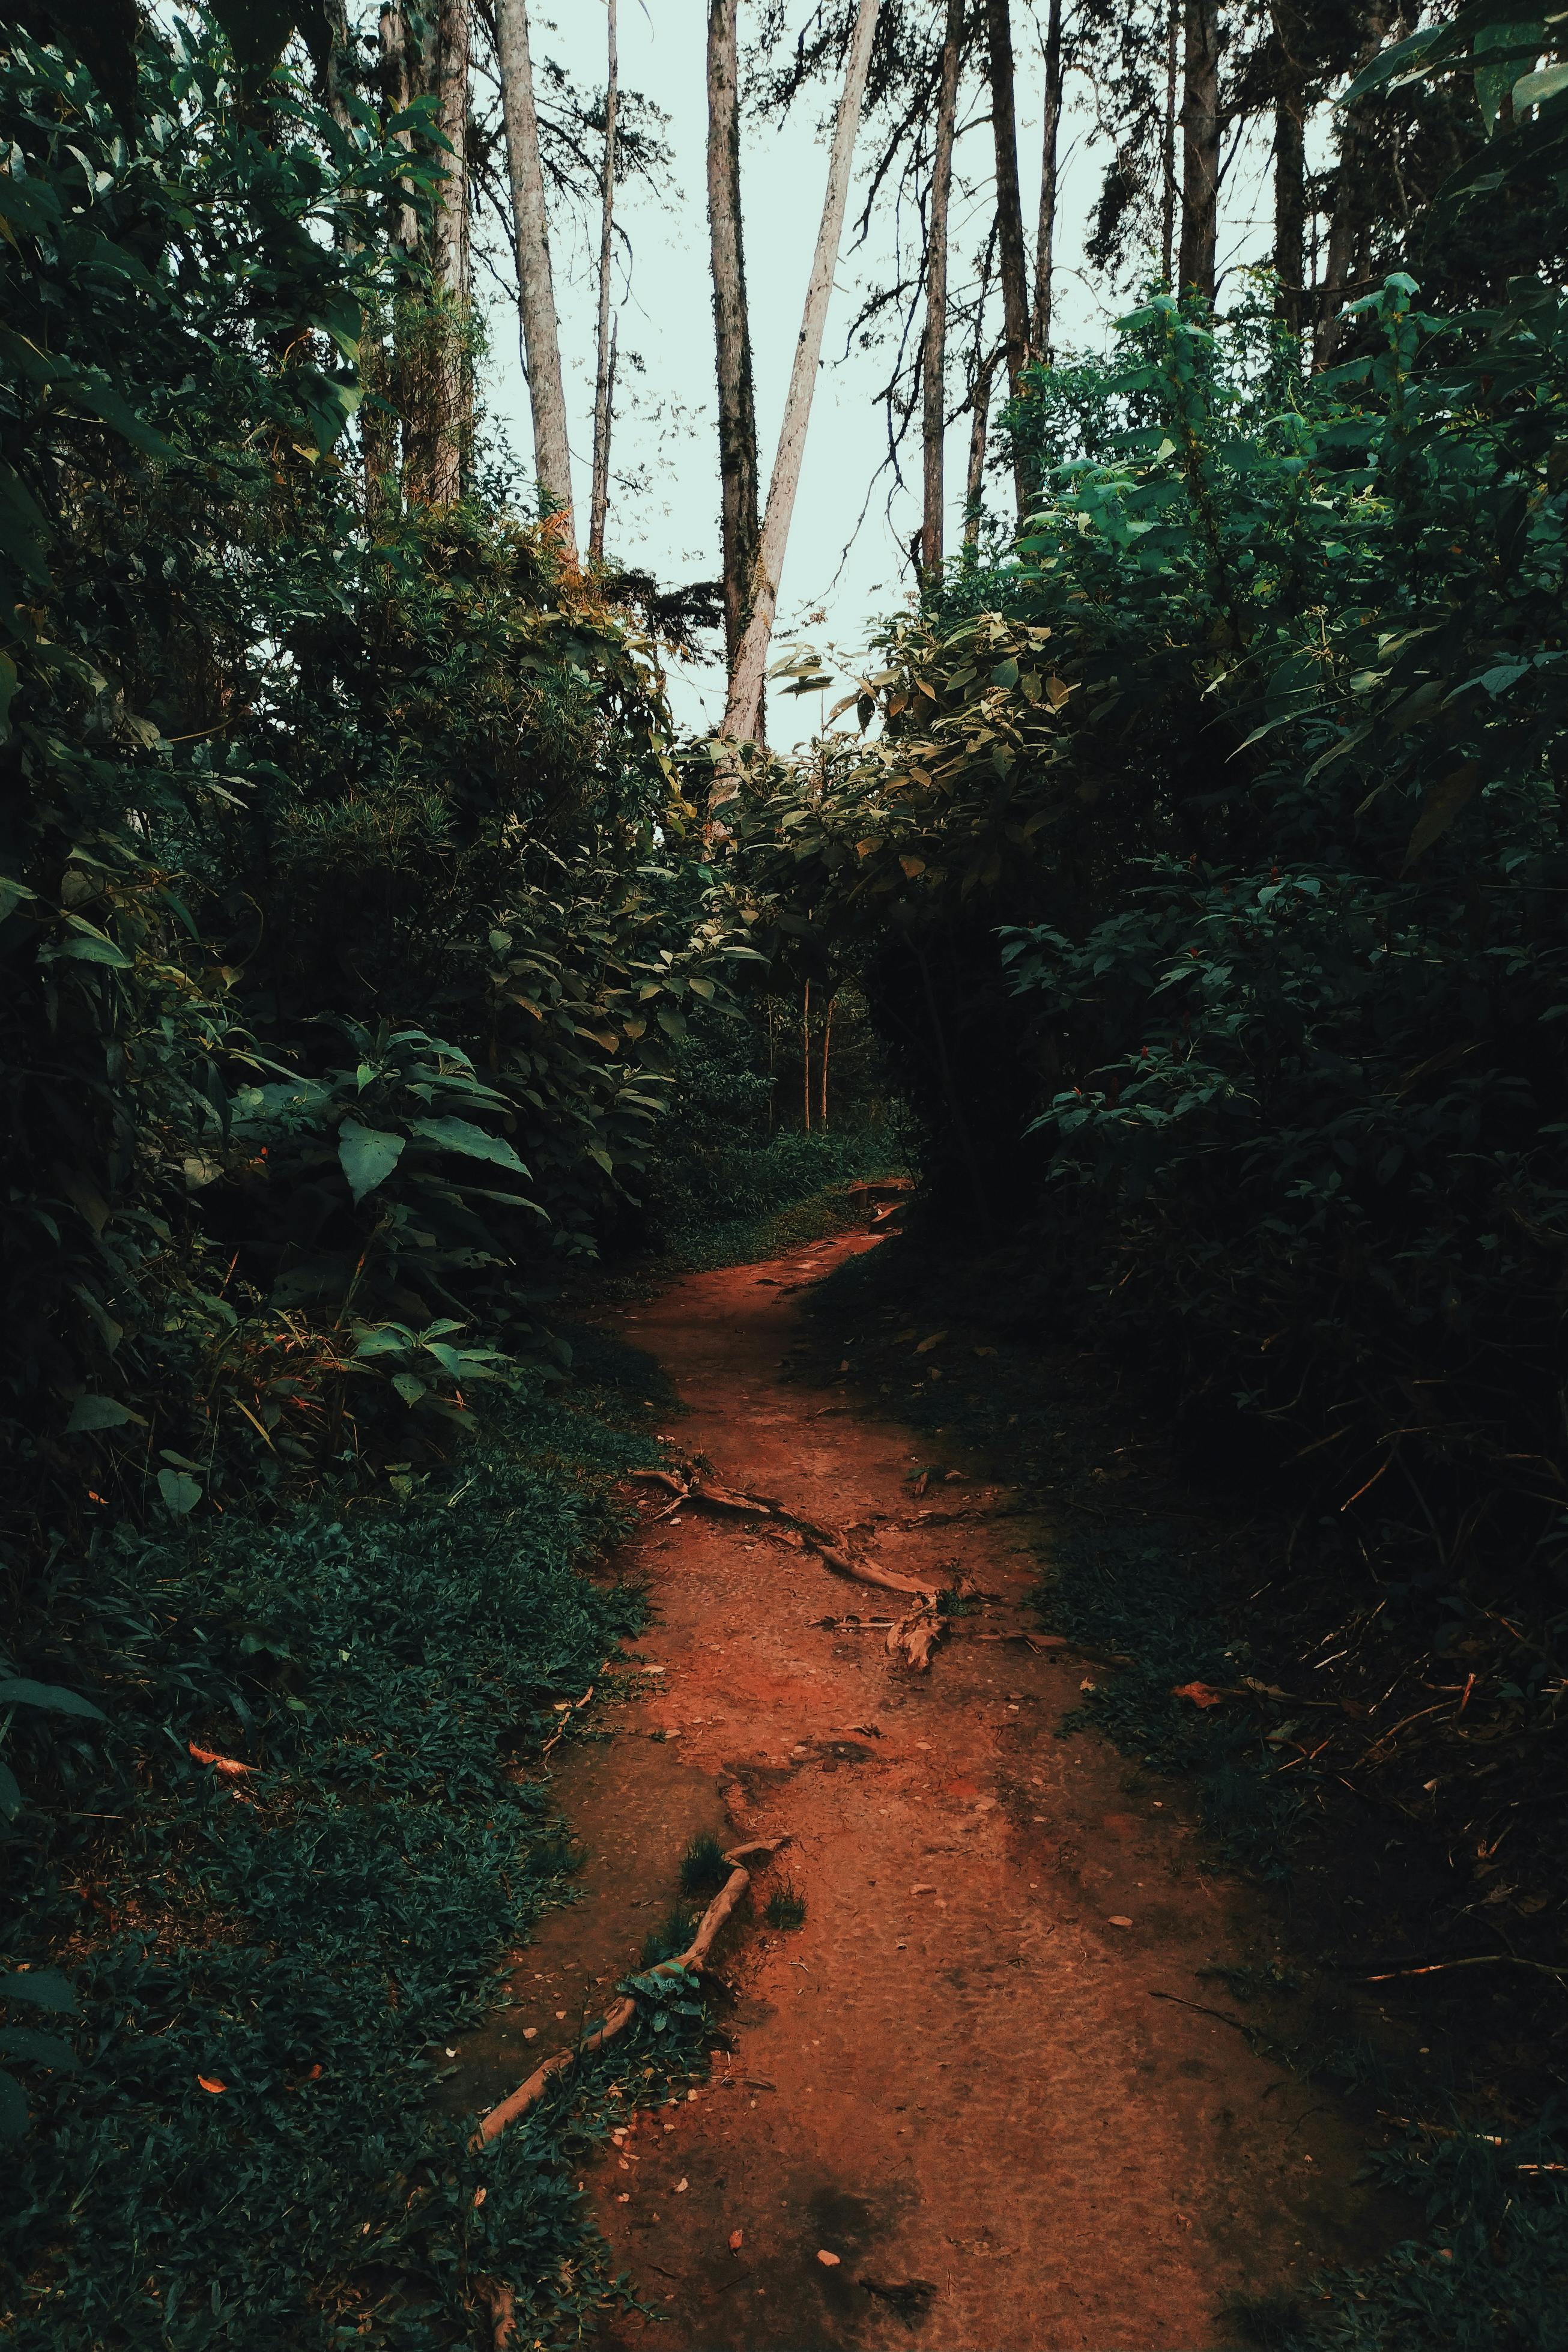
<point>958,2076</point>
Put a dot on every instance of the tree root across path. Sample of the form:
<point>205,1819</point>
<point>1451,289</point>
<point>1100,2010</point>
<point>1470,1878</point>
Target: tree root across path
<point>620,2017</point>
<point>913,1637</point>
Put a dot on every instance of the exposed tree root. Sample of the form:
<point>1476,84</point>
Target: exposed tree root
<point>915,1636</point>
<point>619,2017</point>
<point>691,1486</point>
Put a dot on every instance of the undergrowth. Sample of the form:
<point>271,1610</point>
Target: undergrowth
<point>270,1952</point>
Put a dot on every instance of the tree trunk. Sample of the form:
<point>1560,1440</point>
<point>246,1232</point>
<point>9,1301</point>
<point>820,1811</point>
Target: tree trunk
<point>1168,152</point>
<point>1348,224</point>
<point>1045,246</point>
<point>742,718</point>
<point>536,286</point>
<point>401,84</point>
<point>1011,263</point>
<point>979,426</point>
<point>934,354</point>
<point>1200,132</point>
<point>449,422</point>
<point>1289,197</point>
<point>738,462</point>
<point>605,372</point>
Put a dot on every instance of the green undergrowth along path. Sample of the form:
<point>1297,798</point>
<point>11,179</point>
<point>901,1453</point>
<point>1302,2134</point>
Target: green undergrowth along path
<point>1216,1652</point>
<point>263,1895</point>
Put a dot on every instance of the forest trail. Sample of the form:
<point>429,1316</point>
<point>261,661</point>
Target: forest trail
<point>959,2077</point>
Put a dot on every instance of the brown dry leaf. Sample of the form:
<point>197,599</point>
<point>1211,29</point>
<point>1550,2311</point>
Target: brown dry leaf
<point>934,1341</point>
<point>1118,1920</point>
<point>226,1767</point>
<point>211,2082</point>
<point>737,2240</point>
<point>1201,1693</point>
<point>830,2261</point>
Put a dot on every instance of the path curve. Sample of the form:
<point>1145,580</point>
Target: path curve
<point>957,2076</point>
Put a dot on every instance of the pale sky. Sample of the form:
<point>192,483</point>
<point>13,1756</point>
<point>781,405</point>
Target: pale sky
<point>664,517</point>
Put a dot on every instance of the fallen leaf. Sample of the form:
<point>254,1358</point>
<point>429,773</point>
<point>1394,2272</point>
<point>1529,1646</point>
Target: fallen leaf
<point>227,1767</point>
<point>680,2185</point>
<point>480,2197</point>
<point>1118,1920</point>
<point>530,2032</point>
<point>1201,1693</point>
<point>925,1345</point>
<point>830,2261</point>
<point>211,2082</point>
<point>923,1889</point>
<point>737,2240</point>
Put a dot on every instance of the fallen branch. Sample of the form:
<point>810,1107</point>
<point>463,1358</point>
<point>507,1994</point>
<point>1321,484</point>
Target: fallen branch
<point>917,1636</point>
<point>576,1707</point>
<point>619,2016</point>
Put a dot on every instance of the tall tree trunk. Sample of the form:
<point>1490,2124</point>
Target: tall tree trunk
<point>536,284</point>
<point>979,427</point>
<point>1200,132</point>
<point>604,372</point>
<point>1289,174</point>
<point>1347,225</point>
<point>1045,246</point>
<point>933,354</point>
<point>738,466</point>
<point>1012,262</point>
<point>1168,151</point>
<point>449,424</point>
<point>401,82</point>
<point>743,717</point>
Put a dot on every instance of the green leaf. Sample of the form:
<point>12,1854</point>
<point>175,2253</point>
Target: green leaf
<point>18,1691</point>
<point>368,1156</point>
<point>90,1413</point>
<point>42,1989</point>
<point>474,1142</point>
<point>96,951</point>
<point>10,1793</point>
<point>180,1492</point>
<point>408,1388</point>
<point>1442,805</point>
<point>43,2049</point>
<point>1533,87</point>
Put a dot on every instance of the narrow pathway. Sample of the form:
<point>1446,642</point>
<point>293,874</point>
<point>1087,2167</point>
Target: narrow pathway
<point>968,2076</point>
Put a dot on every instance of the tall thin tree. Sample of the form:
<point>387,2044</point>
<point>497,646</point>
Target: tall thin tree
<point>536,284</point>
<point>1168,150</point>
<point>1201,128</point>
<point>604,369</point>
<point>1013,263</point>
<point>1352,200</point>
<point>738,468</point>
<point>449,424</point>
<point>1290,168</point>
<point>933,351</point>
<point>1051,140</point>
<point>743,715</point>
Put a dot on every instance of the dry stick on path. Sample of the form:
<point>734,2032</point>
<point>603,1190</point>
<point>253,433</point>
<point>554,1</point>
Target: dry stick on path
<point>619,2016</point>
<point>743,714</point>
<point>737,461</point>
<point>536,284</point>
<point>604,374</point>
<point>934,356</point>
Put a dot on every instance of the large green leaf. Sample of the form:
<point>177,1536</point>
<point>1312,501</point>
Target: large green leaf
<point>17,1690</point>
<point>180,1491</point>
<point>43,2049</point>
<point>474,1142</point>
<point>90,1413</point>
<point>40,1989</point>
<point>368,1155</point>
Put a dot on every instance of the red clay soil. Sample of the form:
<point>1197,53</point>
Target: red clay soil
<point>958,2078</point>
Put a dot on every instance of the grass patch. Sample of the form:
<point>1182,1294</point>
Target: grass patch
<point>268,1966</point>
<point>786,1908</point>
<point>703,1869</point>
<point>675,1936</point>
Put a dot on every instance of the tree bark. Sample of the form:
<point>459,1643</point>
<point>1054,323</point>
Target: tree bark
<point>738,466</point>
<point>742,718</point>
<point>536,284</point>
<point>1045,243</point>
<point>1290,179</point>
<point>1348,223</point>
<point>604,372</point>
<point>448,425</point>
<point>1168,151</point>
<point>979,426</point>
<point>1011,263</point>
<point>1200,133</point>
<point>933,354</point>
